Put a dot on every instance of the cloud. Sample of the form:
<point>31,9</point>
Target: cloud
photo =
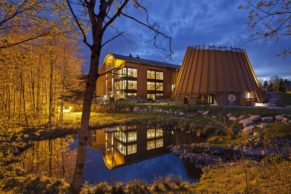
<point>197,22</point>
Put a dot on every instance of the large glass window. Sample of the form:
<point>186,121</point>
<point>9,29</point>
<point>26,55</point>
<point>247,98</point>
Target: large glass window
<point>159,86</point>
<point>159,75</point>
<point>121,148</point>
<point>131,136</point>
<point>121,136</point>
<point>131,149</point>
<point>151,145</point>
<point>159,132</point>
<point>131,84</point>
<point>151,74</point>
<point>159,143</point>
<point>131,72</point>
<point>151,133</point>
<point>151,86</point>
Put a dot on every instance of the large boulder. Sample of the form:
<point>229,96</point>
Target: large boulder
<point>247,130</point>
<point>267,119</point>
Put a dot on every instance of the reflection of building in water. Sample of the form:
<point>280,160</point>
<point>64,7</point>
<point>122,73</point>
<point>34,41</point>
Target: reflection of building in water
<point>130,144</point>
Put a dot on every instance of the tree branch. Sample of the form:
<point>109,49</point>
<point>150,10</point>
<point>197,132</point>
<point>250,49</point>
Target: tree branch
<point>153,29</point>
<point>79,25</point>
<point>115,15</point>
<point>114,37</point>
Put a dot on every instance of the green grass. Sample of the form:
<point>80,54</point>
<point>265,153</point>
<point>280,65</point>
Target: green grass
<point>247,177</point>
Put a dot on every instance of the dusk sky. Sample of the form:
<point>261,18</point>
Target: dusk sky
<point>193,22</point>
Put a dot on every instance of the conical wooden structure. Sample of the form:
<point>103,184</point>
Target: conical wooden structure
<point>216,75</point>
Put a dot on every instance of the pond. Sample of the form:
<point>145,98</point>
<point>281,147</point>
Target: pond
<point>118,154</point>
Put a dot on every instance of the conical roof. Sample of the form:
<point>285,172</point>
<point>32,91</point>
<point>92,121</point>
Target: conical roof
<point>214,70</point>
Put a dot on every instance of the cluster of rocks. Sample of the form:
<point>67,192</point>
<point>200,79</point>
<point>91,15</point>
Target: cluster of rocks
<point>252,121</point>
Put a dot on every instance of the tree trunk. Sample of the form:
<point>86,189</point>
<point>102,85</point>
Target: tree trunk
<point>51,90</point>
<point>84,132</point>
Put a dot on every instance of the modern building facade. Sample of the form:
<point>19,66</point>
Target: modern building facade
<point>133,77</point>
<point>216,75</point>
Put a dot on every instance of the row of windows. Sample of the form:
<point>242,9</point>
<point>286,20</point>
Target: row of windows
<point>126,85</point>
<point>158,75</point>
<point>153,133</point>
<point>126,137</point>
<point>155,86</point>
<point>159,143</point>
<point>126,72</point>
<point>132,72</point>
<point>131,149</point>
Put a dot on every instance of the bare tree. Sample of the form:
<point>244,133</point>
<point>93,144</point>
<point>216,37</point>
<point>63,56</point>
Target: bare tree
<point>102,15</point>
<point>269,19</point>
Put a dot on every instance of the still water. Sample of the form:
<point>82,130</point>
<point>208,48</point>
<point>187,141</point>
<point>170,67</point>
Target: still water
<point>115,154</point>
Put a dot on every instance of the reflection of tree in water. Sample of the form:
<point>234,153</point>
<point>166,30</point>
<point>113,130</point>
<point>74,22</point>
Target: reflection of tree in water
<point>192,171</point>
<point>51,158</point>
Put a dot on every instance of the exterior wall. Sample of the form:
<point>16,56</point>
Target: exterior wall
<point>168,80</point>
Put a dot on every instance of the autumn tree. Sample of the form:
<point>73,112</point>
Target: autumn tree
<point>101,15</point>
<point>269,19</point>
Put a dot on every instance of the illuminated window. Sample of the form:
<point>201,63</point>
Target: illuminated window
<point>131,94</point>
<point>151,145</point>
<point>159,86</point>
<point>151,133</point>
<point>151,74</point>
<point>131,136</point>
<point>159,143</point>
<point>131,84</point>
<point>159,75</point>
<point>151,96</point>
<point>159,132</point>
<point>121,136</point>
<point>131,72</point>
<point>151,86</point>
<point>121,148</point>
<point>131,149</point>
<point>159,94</point>
<point>173,87</point>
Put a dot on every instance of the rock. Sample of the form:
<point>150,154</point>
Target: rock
<point>255,118</point>
<point>127,109</point>
<point>279,117</point>
<point>267,119</point>
<point>181,113</point>
<point>246,122</point>
<point>136,109</point>
<point>200,111</point>
<point>285,120</point>
<point>229,115</point>
<point>232,118</point>
<point>262,125</point>
<point>248,130</point>
<point>205,113</point>
<point>241,117</point>
<point>213,116</point>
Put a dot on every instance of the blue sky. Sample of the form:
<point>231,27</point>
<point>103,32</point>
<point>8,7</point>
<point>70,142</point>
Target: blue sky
<point>193,22</point>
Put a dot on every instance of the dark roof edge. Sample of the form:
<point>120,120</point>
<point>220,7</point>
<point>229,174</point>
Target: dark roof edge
<point>145,61</point>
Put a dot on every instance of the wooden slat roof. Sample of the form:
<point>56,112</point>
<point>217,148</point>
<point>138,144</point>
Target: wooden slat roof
<point>209,71</point>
